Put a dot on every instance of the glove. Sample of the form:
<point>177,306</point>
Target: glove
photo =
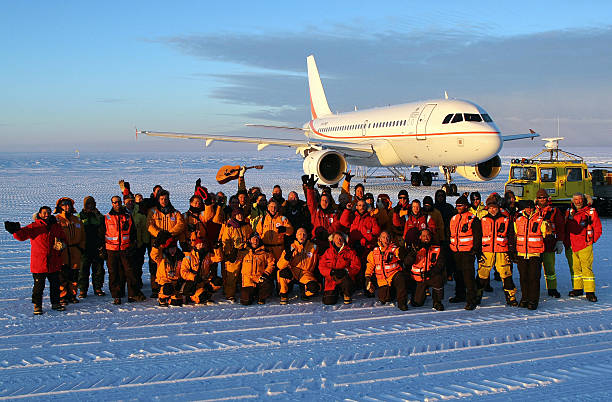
<point>221,201</point>
<point>288,252</point>
<point>102,253</point>
<point>305,179</point>
<point>369,285</point>
<point>242,171</point>
<point>161,238</point>
<point>168,289</point>
<point>232,256</point>
<point>338,274</point>
<point>217,245</point>
<point>216,280</point>
<point>12,227</point>
<point>312,181</point>
<point>59,245</point>
<point>348,176</point>
<point>481,258</point>
<point>188,288</point>
<point>198,183</point>
<point>285,273</point>
<point>559,247</point>
<point>264,277</point>
<point>281,229</point>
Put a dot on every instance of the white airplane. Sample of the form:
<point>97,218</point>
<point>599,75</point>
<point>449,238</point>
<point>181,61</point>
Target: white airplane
<point>456,135</point>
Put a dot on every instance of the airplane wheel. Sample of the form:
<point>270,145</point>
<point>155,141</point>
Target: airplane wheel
<point>427,179</point>
<point>415,179</point>
<point>446,188</point>
<point>453,188</point>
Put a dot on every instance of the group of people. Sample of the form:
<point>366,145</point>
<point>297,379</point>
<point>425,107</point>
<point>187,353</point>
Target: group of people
<point>252,248</point>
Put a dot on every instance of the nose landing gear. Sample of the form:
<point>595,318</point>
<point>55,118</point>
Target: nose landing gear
<point>448,187</point>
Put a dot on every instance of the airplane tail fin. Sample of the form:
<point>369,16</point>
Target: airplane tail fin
<point>318,101</point>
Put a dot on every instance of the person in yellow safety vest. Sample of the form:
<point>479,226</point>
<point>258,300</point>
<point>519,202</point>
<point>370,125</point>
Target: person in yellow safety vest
<point>297,264</point>
<point>75,246</point>
<point>257,268</point>
<point>198,278</point>
<point>384,261</point>
<point>426,262</point>
<point>553,243</point>
<point>272,229</point>
<point>497,236</point>
<point>476,206</point>
<point>235,239</point>
<point>168,258</point>
<point>583,229</point>
<point>531,229</point>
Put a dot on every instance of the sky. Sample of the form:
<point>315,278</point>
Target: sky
<point>83,75</point>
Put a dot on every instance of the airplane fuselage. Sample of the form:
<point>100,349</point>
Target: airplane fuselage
<point>438,132</point>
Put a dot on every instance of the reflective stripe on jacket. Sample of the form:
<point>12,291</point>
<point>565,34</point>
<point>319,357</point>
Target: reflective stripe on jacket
<point>118,227</point>
<point>495,233</point>
<point>384,263</point>
<point>461,234</point>
<point>529,237</point>
<point>426,258</point>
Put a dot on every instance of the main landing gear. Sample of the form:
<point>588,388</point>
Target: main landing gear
<point>423,176</point>
<point>448,187</point>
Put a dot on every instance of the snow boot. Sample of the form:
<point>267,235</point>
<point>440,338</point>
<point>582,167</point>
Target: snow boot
<point>470,306</point>
<point>117,301</point>
<point>176,302</point>
<point>438,306</point>
<point>532,306</point>
<point>38,309</point>
<point>554,293</point>
<point>261,301</point>
<point>575,293</point>
<point>403,306</point>
<point>510,298</point>
<point>99,292</point>
<point>163,302</point>
<point>590,296</point>
<point>456,299</point>
<point>82,294</point>
<point>58,307</point>
<point>523,303</point>
<point>347,299</point>
<point>284,298</point>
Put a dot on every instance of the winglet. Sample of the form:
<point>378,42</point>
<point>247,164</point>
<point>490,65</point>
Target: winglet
<point>318,101</point>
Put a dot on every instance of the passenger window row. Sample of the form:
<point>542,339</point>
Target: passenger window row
<point>458,117</point>
<point>395,123</point>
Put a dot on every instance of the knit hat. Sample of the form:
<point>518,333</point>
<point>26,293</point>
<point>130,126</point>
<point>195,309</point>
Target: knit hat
<point>541,193</point>
<point>462,201</point>
<point>527,204</point>
<point>492,200</point>
<point>62,201</point>
<point>171,242</point>
<point>237,211</point>
<point>475,195</point>
<point>129,196</point>
<point>402,193</point>
<point>427,200</point>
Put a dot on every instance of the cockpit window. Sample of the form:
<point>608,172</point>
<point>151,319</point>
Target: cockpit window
<point>458,117</point>
<point>447,119</point>
<point>487,118</point>
<point>472,117</point>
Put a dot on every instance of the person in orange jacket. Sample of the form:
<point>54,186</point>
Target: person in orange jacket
<point>385,263</point>
<point>583,229</point>
<point>169,260</point>
<point>257,267</point>
<point>235,238</point>
<point>426,262</point>
<point>198,278</point>
<point>273,228</point>
<point>340,267</point>
<point>297,264</point>
<point>75,246</point>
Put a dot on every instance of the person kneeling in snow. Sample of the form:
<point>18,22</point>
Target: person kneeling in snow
<point>168,258</point>
<point>257,267</point>
<point>384,262</point>
<point>340,266</point>
<point>198,284</point>
<point>297,263</point>
<point>47,240</point>
<point>427,262</point>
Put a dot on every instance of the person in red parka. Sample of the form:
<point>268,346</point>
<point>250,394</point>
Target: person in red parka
<point>339,266</point>
<point>47,240</point>
<point>324,218</point>
<point>415,221</point>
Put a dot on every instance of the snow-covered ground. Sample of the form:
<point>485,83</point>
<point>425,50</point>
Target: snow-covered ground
<point>363,351</point>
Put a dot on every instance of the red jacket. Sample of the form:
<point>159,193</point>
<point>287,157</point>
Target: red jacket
<point>557,221</point>
<point>43,258</point>
<point>414,224</point>
<point>323,223</point>
<point>583,227</point>
<point>363,229</point>
<point>346,258</point>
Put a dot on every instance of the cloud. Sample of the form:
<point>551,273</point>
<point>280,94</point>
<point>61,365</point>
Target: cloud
<point>535,76</point>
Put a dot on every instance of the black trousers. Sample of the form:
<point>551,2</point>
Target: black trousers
<point>530,271</point>
<point>436,282</point>
<point>449,261</point>
<point>39,287</point>
<point>152,271</point>
<point>262,291</point>
<point>397,290</point>
<point>230,283</point>
<point>95,265</point>
<point>137,257</point>
<point>120,272</point>
<point>465,276</point>
<point>346,286</point>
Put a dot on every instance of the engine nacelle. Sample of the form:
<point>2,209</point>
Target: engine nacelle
<point>484,171</point>
<point>328,166</point>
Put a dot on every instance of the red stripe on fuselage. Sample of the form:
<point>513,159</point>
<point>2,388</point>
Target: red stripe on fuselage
<point>399,135</point>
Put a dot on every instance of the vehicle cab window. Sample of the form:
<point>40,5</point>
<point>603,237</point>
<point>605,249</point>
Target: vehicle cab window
<point>523,173</point>
<point>548,175</point>
<point>574,174</point>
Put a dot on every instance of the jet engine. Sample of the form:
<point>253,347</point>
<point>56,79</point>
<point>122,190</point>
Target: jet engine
<point>328,166</point>
<point>484,171</point>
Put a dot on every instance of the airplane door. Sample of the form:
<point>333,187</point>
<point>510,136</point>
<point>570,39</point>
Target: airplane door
<point>421,127</point>
<point>365,128</point>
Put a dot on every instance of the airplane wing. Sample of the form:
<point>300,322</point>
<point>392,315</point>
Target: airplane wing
<point>301,129</point>
<point>346,148</point>
<point>532,134</point>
